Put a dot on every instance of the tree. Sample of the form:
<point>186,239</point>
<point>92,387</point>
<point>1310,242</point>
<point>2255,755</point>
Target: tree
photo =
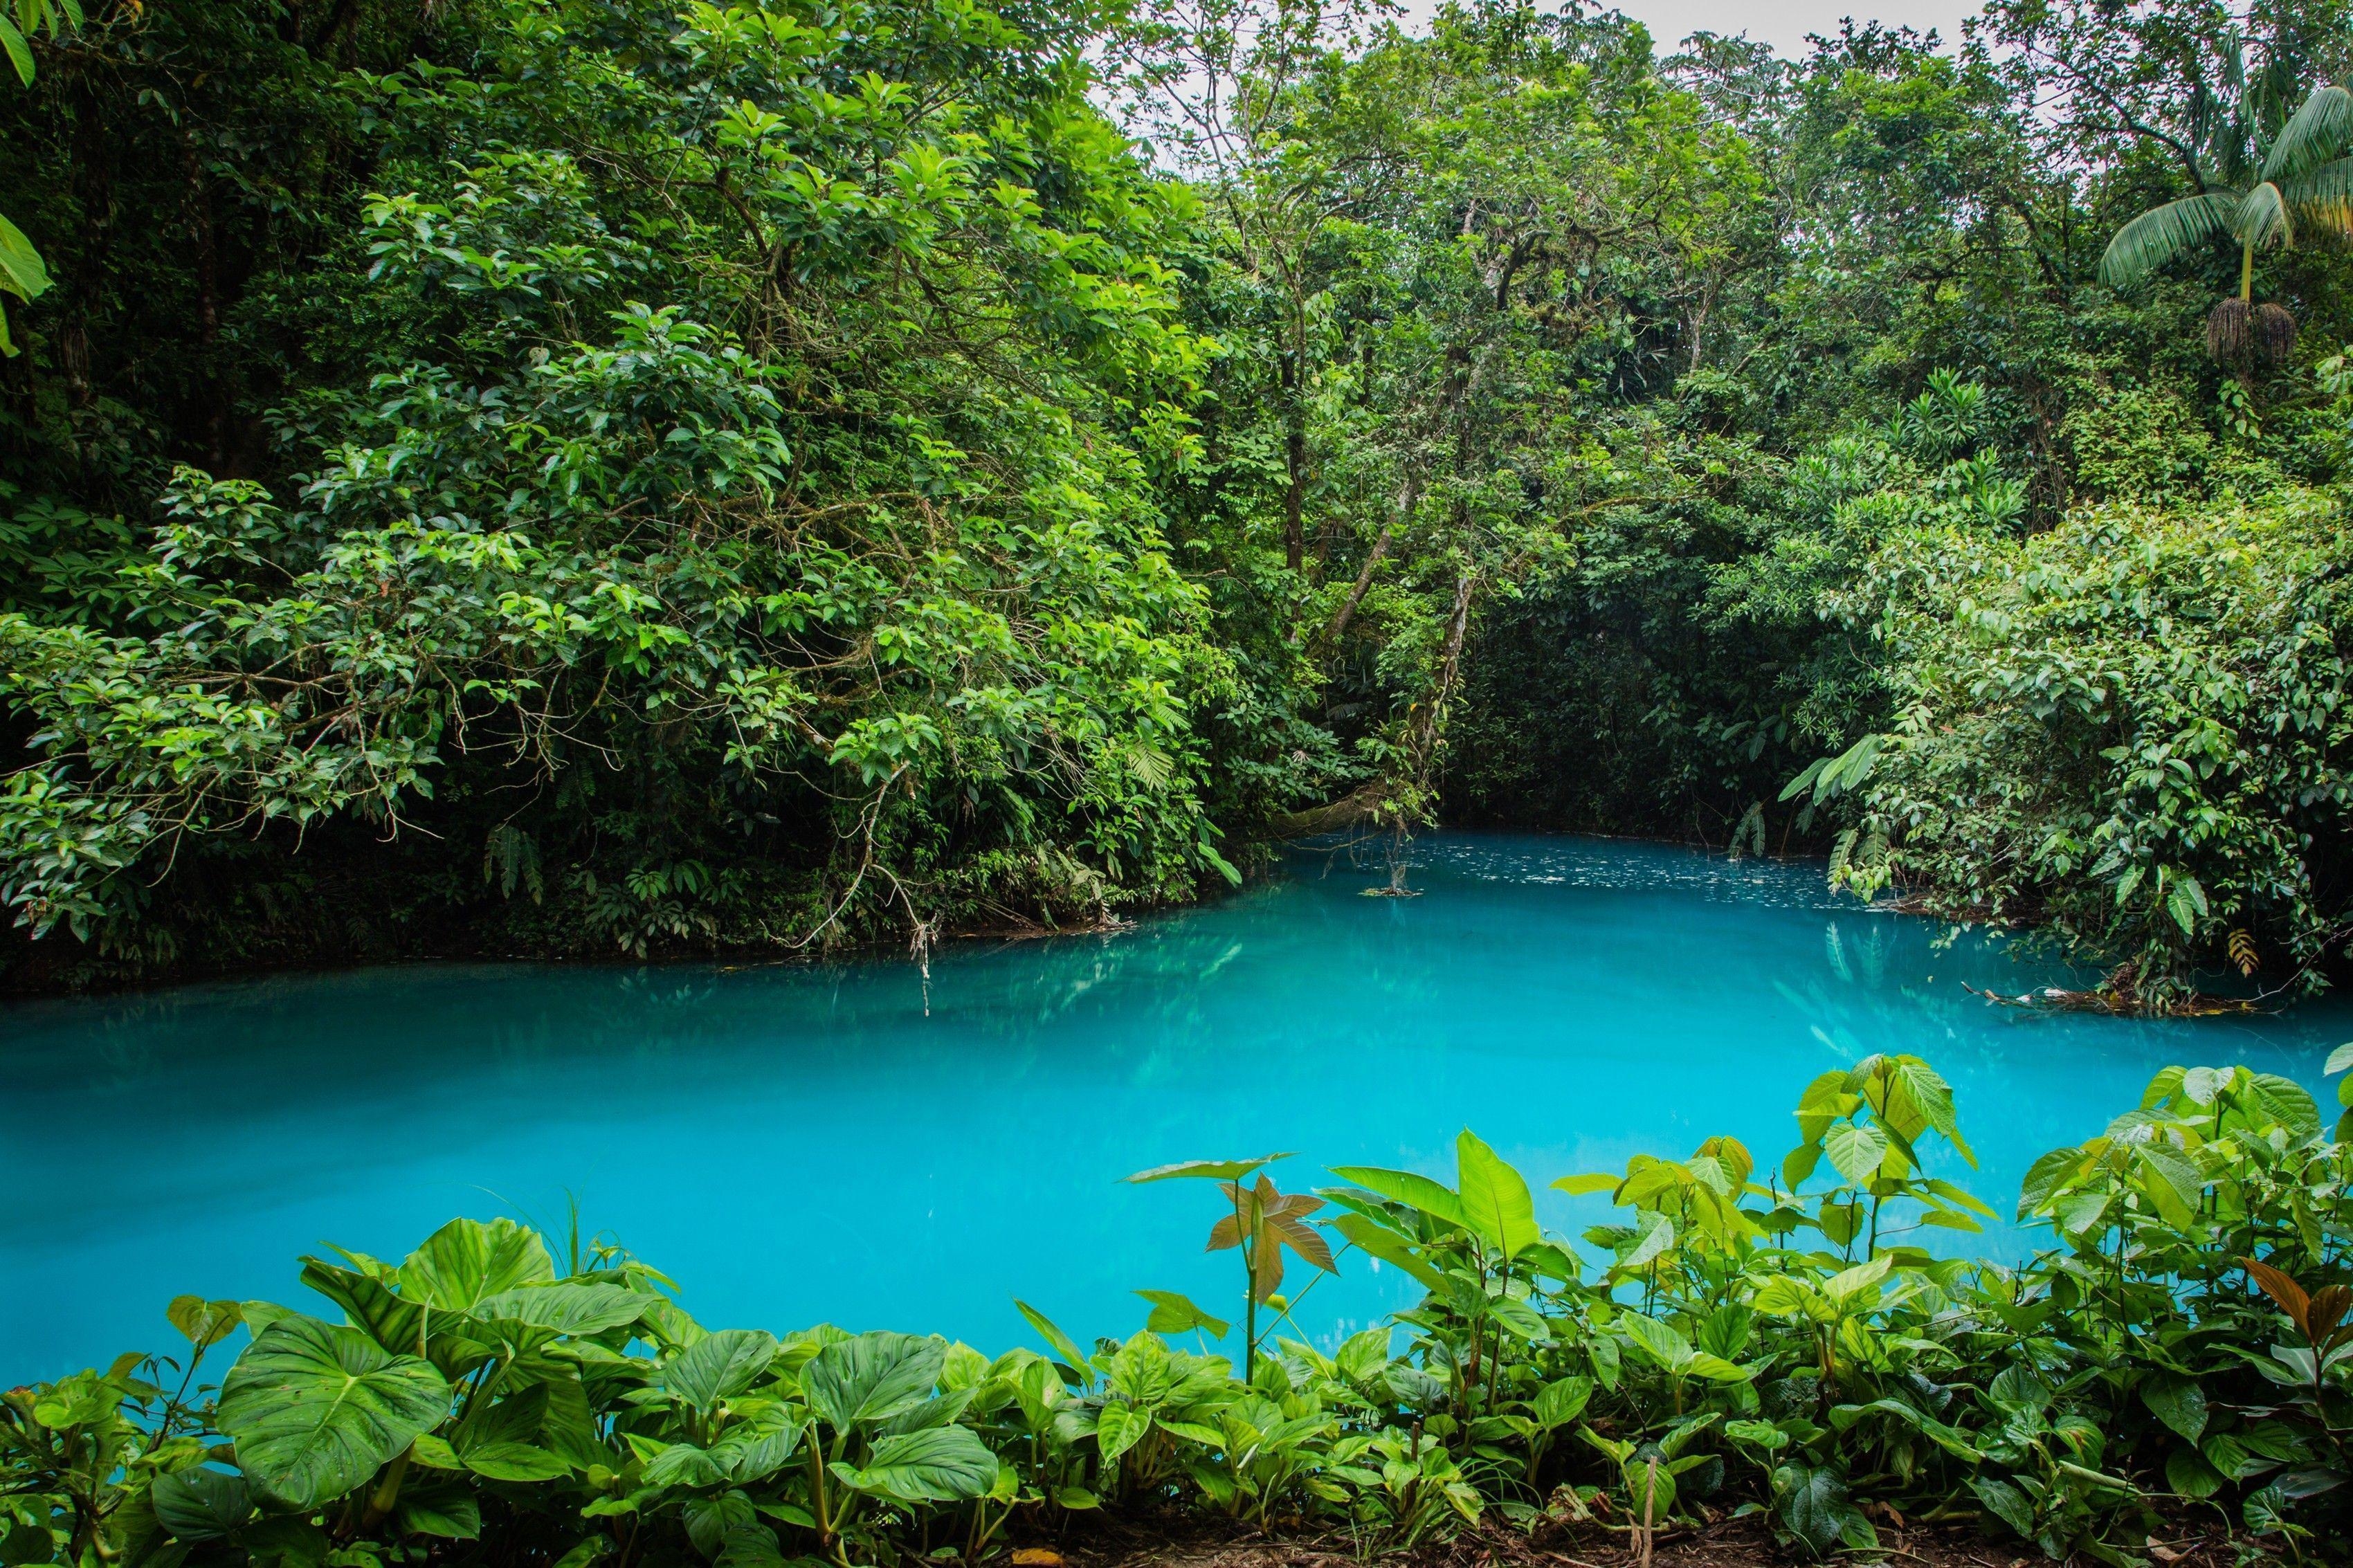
<point>2260,173</point>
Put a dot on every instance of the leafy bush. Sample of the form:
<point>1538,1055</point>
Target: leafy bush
<point>1778,1345</point>
<point>2130,728</point>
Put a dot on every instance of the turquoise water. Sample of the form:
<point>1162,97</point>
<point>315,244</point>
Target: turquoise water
<point>851,1144</point>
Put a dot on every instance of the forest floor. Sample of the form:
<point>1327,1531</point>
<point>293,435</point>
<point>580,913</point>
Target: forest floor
<point>1733,1543</point>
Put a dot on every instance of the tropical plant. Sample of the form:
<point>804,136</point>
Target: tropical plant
<point>1263,1225</point>
<point>2261,172</point>
<point>22,271</point>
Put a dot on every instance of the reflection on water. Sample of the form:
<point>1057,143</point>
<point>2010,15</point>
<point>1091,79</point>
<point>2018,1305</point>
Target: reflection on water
<point>799,1143</point>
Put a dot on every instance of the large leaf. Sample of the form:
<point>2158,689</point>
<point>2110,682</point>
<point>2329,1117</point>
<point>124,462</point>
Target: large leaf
<point>2157,236</point>
<point>1856,1151</point>
<point>1814,1505</point>
<point>760,1444</point>
<point>1379,1241</point>
<point>2321,129</point>
<point>1494,1197</point>
<point>568,1307</point>
<point>2005,1502</point>
<point>1208,1170</point>
<point>465,1260</point>
<point>719,1365</point>
<point>22,272</point>
<point>1413,1190</point>
<point>315,1410</point>
<point>2177,1402</point>
<point>872,1378</point>
<point>1074,1360</point>
<point>201,1504</point>
<point>946,1464</point>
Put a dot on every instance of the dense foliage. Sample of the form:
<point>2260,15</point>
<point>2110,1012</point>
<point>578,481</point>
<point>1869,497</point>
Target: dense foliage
<point>578,476</point>
<point>1760,1341</point>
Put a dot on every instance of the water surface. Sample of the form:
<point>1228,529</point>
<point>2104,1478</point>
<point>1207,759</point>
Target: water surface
<point>852,1143</point>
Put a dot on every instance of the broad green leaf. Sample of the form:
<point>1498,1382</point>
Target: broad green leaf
<point>513,1461</point>
<point>1408,1187</point>
<point>205,1323</point>
<point>1061,1344</point>
<point>1813,1504</point>
<point>2177,1402</point>
<point>759,1445</point>
<point>1662,1342</point>
<point>315,1410</point>
<point>447,1509</point>
<point>2339,1060</point>
<point>1208,1170</point>
<point>2287,1102</point>
<point>1591,1182</point>
<point>1172,1313</point>
<point>1562,1401</point>
<point>2006,1503</point>
<point>1494,1197</point>
<point>1657,1234</point>
<point>719,1366</point>
<point>683,1465</point>
<point>872,1378</point>
<point>1855,1151</point>
<point>1118,1428</point>
<point>1849,1283</point>
<point>1379,1241</point>
<point>201,1504</point>
<point>2188,1475</point>
<point>465,1260</point>
<point>566,1306</point>
<point>946,1464</point>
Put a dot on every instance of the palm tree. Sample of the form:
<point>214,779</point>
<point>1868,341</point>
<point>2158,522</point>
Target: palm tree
<point>2264,177</point>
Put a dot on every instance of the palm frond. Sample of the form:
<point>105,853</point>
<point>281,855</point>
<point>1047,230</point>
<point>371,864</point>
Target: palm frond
<point>2323,197</point>
<point>2159,234</point>
<point>2262,217</point>
<point>2321,130</point>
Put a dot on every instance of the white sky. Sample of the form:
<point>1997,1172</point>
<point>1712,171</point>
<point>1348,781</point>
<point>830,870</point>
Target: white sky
<point>1784,24</point>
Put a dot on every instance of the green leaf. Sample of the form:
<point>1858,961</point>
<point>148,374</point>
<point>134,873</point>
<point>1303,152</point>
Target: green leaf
<point>1494,1198</point>
<point>2177,1402</point>
<point>19,56</point>
<point>1060,1343</point>
<point>2188,1475</point>
<point>1814,1506</point>
<point>205,1323</point>
<point>513,1461</point>
<point>2157,236</point>
<point>946,1464</point>
<point>872,1378</point>
<point>2339,1060</point>
<point>719,1366</point>
<point>1408,1187</point>
<point>759,1445</point>
<point>448,1511</point>
<point>1207,1169</point>
<point>1662,1342</point>
<point>1855,1151</point>
<point>566,1306</point>
<point>1172,1313</point>
<point>316,1410</point>
<point>1562,1401</point>
<point>200,1504</point>
<point>1119,1427</point>
<point>2006,1503</point>
<point>1378,1240</point>
<point>465,1260</point>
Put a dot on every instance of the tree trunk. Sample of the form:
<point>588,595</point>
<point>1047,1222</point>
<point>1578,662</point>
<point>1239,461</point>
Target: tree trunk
<point>1294,456</point>
<point>1407,498</point>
